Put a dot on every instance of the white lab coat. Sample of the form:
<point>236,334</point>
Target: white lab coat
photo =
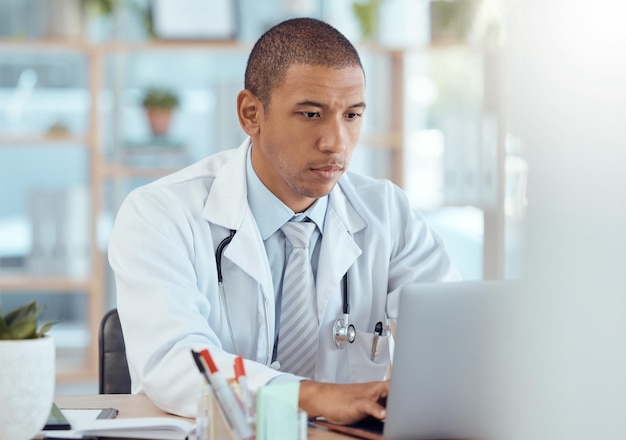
<point>162,251</point>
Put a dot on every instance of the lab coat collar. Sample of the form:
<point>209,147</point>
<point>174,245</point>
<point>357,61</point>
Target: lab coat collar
<point>227,201</point>
<point>227,206</point>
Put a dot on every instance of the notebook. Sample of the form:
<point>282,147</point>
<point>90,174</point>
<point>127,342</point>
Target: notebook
<point>446,363</point>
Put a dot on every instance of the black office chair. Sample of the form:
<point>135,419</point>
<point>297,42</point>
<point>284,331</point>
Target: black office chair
<point>113,376</point>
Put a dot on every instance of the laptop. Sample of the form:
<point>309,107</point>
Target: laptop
<point>447,362</point>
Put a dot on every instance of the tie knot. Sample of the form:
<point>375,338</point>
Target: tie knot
<point>298,233</point>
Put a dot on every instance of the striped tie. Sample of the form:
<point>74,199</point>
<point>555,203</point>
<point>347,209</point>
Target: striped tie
<point>297,346</point>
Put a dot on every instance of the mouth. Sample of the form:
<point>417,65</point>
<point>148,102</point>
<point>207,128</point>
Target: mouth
<point>328,171</point>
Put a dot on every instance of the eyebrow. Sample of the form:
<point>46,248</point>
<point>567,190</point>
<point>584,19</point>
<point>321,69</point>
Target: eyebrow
<point>324,106</point>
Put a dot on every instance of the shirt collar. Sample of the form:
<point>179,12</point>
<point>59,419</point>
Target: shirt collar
<point>270,213</point>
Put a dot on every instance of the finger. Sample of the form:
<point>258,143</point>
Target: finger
<point>374,409</point>
<point>381,391</point>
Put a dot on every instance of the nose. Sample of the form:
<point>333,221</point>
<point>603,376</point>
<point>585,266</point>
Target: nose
<point>333,136</point>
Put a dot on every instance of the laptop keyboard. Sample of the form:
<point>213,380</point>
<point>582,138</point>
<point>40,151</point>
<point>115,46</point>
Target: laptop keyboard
<point>370,424</point>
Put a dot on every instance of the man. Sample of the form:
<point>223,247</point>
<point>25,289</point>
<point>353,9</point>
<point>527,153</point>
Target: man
<point>200,256</point>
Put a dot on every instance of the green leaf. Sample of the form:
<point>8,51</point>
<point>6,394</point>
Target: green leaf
<point>27,311</point>
<point>44,328</point>
<point>4,328</point>
<point>24,329</point>
<point>160,98</point>
<point>22,323</point>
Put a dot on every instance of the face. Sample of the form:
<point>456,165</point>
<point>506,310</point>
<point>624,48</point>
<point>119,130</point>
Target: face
<point>304,141</point>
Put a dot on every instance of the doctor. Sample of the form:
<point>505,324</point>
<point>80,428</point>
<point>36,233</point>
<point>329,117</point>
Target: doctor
<point>302,108</point>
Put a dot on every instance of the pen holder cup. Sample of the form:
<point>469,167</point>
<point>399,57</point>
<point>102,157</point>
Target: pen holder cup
<point>203,416</point>
<point>211,423</point>
<point>277,419</point>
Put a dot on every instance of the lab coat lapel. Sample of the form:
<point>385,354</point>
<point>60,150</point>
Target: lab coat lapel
<point>227,206</point>
<point>248,252</point>
<point>338,250</point>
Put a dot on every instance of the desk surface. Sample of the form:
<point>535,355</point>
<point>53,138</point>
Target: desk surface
<point>138,405</point>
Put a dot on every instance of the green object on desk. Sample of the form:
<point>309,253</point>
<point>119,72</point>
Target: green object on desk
<point>56,420</point>
<point>277,413</point>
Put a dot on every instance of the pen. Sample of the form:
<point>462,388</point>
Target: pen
<point>378,330</point>
<point>200,365</point>
<point>224,395</point>
<point>242,380</point>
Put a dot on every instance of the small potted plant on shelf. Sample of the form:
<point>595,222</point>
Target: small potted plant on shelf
<point>159,104</point>
<point>27,379</point>
<point>367,14</point>
<point>452,21</point>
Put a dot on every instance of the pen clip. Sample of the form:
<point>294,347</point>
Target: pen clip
<point>201,366</point>
<point>378,330</point>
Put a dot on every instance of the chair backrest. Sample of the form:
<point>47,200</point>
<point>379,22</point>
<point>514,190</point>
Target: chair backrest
<point>113,376</point>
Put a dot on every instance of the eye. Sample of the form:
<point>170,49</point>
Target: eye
<point>353,115</point>
<point>311,115</point>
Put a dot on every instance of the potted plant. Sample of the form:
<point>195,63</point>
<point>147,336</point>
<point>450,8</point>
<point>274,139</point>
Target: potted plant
<point>159,104</point>
<point>27,377</point>
<point>366,13</point>
<point>451,21</point>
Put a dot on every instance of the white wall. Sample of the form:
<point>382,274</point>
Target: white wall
<point>568,104</point>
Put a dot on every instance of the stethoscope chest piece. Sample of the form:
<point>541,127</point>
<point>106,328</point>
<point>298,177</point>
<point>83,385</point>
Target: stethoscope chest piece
<point>343,332</point>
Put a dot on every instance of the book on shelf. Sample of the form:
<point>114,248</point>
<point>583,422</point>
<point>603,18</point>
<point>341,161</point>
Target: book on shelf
<point>60,232</point>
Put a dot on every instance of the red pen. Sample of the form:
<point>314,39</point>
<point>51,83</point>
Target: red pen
<point>242,380</point>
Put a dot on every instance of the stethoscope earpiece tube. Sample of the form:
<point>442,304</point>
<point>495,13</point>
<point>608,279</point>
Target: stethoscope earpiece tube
<point>218,254</point>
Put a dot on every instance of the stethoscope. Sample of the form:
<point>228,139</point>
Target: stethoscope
<point>343,331</point>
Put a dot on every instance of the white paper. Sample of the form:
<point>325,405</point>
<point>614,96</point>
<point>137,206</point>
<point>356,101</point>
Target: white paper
<point>84,423</point>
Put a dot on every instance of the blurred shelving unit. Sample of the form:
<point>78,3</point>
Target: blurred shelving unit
<point>108,91</point>
<point>105,167</point>
<point>46,281</point>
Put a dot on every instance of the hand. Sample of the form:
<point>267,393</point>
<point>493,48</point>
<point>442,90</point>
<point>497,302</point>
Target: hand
<point>343,403</point>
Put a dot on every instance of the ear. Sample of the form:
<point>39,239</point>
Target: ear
<point>249,111</point>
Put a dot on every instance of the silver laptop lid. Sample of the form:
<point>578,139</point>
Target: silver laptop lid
<point>446,359</point>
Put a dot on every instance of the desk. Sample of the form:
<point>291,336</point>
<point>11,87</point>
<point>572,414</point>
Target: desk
<point>138,405</point>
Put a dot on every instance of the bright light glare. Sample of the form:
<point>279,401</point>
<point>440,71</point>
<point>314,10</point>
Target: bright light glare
<point>424,168</point>
<point>590,35</point>
<point>427,143</point>
<point>422,90</point>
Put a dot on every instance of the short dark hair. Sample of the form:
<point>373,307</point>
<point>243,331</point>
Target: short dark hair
<point>296,41</point>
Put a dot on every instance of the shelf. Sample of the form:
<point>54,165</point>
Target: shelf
<point>112,171</point>
<point>60,44</point>
<point>49,284</point>
<point>387,141</point>
<point>44,139</point>
<point>156,45</point>
<point>119,46</point>
<point>68,45</point>
<point>76,375</point>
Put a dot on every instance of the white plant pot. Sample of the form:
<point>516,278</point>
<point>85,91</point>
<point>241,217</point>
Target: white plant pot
<point>26,386</point>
